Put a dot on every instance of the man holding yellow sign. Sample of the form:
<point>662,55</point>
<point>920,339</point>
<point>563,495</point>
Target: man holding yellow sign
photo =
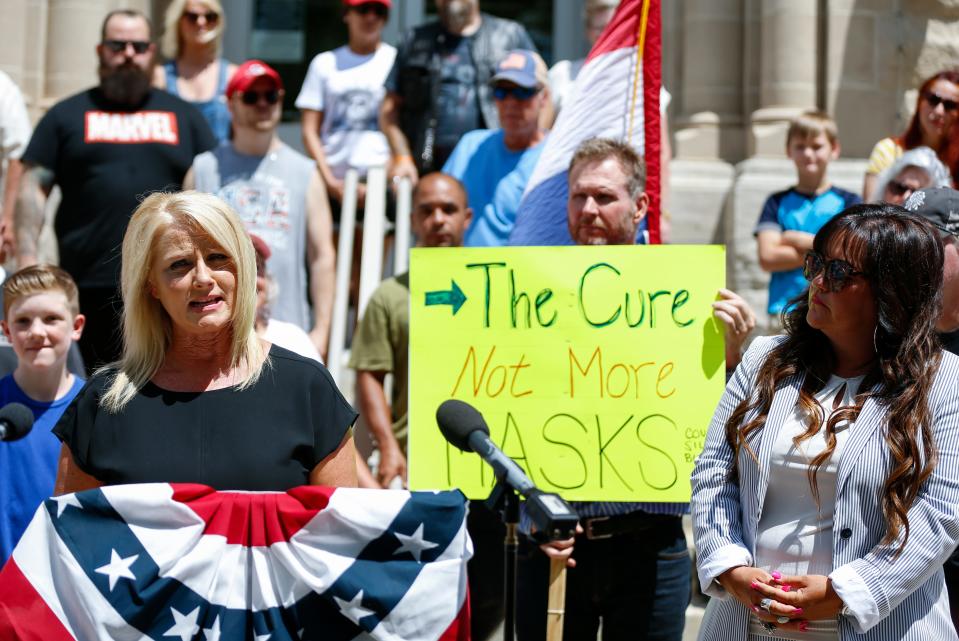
<point>598,371</point>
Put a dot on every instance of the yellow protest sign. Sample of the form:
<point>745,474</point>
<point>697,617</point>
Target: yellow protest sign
<point>596,368</point>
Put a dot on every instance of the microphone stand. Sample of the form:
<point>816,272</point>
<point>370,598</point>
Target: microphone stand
<point>504,501</point>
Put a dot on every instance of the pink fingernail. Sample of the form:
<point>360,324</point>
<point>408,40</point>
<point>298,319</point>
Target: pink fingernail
<point>755,608</point>
<point>754,585</point>
<point>803,626</point>
<point>776,575</point>
<point>797,611</point>
<point>786,587</point>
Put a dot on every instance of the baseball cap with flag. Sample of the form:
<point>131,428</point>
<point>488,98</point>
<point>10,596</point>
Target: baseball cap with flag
<point>938,205</point>
<point>521,67</point>
<point>248,72</point>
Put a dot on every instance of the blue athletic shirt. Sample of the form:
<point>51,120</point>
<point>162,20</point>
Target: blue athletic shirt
<point>796,211</point>
<point>28,467</point>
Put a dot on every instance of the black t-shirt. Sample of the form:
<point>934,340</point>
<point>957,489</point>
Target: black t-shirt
<point>268,437</point>
<point>106,158</point>
<point>950,341</point>
<point>457,109</point>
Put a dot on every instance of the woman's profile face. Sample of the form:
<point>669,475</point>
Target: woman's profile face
<point>903,184</point>
<point>937,109</point>
<point>847,312</point>
<point>195,281</point>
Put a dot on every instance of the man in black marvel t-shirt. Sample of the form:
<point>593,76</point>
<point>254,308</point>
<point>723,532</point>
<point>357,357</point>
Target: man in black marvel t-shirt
<point>106,148</point>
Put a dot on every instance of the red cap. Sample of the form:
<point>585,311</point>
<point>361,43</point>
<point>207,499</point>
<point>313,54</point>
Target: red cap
<point>248,72</point>
<point>356,3</point>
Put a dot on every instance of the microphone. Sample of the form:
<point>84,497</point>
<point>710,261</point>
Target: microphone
<point>463,426</point>
<point>16,421</point>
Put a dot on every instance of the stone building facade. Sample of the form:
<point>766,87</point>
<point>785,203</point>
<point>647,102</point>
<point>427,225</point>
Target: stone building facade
<point>738,70</point>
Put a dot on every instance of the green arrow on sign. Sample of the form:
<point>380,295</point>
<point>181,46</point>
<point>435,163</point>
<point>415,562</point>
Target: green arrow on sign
<point>454,297</point>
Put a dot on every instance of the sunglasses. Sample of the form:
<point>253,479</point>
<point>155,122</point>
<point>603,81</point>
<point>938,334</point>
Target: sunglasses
<point>935,100</point>
<point>119,46</point>
<point>898,189</point>
<point>835,273</point>
<point>371,7</point>
<point>520,93</point>
<point>211,17</point>
<point>252,97</point>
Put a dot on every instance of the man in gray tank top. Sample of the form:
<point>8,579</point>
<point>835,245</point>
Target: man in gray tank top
<point>279,195</point>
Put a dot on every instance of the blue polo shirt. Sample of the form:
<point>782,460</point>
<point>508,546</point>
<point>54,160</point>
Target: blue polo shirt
<point>796,211</point>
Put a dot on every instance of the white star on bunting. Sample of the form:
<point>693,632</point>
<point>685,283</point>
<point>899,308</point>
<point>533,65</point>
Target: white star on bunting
<point>415,544</point>
<point>118,568</point>
<point>352,609</point>
<point>66,500</point>
<point>213,633</point>
<point>185,625</point>
<point>262,637</point>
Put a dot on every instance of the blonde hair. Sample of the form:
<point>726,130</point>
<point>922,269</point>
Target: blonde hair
<point>147,328</point>
<point>171,43</point>
<point>40,279</point>
<point>810,124</point>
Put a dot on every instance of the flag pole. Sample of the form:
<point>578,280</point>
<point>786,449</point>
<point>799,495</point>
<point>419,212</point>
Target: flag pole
<point>556,606</point>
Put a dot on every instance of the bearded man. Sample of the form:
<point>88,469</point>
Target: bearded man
<point>106,147</point>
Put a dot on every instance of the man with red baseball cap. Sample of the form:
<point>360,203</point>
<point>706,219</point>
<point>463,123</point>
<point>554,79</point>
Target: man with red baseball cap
<point>279,194</point>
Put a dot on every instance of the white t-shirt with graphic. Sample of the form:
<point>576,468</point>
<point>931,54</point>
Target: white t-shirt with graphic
<point>348,89</point>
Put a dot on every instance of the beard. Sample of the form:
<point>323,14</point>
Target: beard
<point>456,14</point>
<point>127,84</point>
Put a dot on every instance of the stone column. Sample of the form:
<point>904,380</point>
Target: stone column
<point>788,71</point>
<point>709,124</point>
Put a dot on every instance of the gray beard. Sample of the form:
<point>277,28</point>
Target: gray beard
<point>124,85</point>
<point>456,15</point>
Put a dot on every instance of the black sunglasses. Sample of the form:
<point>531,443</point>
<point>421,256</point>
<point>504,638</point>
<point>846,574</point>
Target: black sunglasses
<point>211,17</point>
<point>520,93</point>
<point>371,7</point>
<point>935,100</point>
<point>836,272</point>
<point>898,189</point>
<point>119,46</point>
<point>252,97</point>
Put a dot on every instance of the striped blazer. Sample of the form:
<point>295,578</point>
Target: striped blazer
<point>905,596</point>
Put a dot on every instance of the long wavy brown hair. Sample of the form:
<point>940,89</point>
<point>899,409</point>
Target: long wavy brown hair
<point>901,256</point>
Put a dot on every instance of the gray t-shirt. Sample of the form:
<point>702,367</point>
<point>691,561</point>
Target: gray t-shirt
<point>269,194</point>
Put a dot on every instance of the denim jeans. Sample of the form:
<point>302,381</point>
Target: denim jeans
<point>637,584</point>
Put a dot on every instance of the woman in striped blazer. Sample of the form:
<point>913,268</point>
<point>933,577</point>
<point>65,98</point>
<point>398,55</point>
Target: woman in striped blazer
<point>827,495</point>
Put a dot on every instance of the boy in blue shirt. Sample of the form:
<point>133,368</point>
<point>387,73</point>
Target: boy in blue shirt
<point>41,320</point>
<point>791,218</point>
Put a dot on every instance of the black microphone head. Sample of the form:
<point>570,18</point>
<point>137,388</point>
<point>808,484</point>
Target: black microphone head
<point>457,420</point>
<point>18,419</point>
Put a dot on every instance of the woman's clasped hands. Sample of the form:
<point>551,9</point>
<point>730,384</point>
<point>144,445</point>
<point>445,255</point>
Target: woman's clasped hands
<point>780,601</point>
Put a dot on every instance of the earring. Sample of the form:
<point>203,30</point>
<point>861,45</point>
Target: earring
<point>875,339</point>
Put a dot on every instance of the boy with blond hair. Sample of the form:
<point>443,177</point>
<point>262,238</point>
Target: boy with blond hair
<point>41,320</point>
<point>791,218</point>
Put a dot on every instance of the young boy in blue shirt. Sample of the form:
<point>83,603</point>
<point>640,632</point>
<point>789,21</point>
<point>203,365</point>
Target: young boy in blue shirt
<point>791,218</point>
<point>41,320</point>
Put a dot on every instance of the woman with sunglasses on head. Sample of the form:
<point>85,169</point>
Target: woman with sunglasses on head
<point>917,169</point>
<point>194,71</point>
<point>340,100</point>
<point>937,105</point>
<point>826,497</point>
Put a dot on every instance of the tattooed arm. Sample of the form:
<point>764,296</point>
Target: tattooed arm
<point>35,185</point>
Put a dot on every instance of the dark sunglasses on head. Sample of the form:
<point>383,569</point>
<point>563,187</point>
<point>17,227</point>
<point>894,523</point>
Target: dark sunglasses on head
<point>252,97</point>
<point>520,93</point>
<point>836,272</point>
<point>371,7</point>
<point>211,17</point>
<point>119,46</point>
<point>935,100</point>
<point>898,189</point>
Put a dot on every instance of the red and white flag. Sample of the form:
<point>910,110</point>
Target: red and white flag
<point>185,562</point>
<point>616,95</point>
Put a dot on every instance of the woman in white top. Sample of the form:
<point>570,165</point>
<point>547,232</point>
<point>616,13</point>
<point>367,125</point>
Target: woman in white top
<point>827,495</point>
<point>341,96</point>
